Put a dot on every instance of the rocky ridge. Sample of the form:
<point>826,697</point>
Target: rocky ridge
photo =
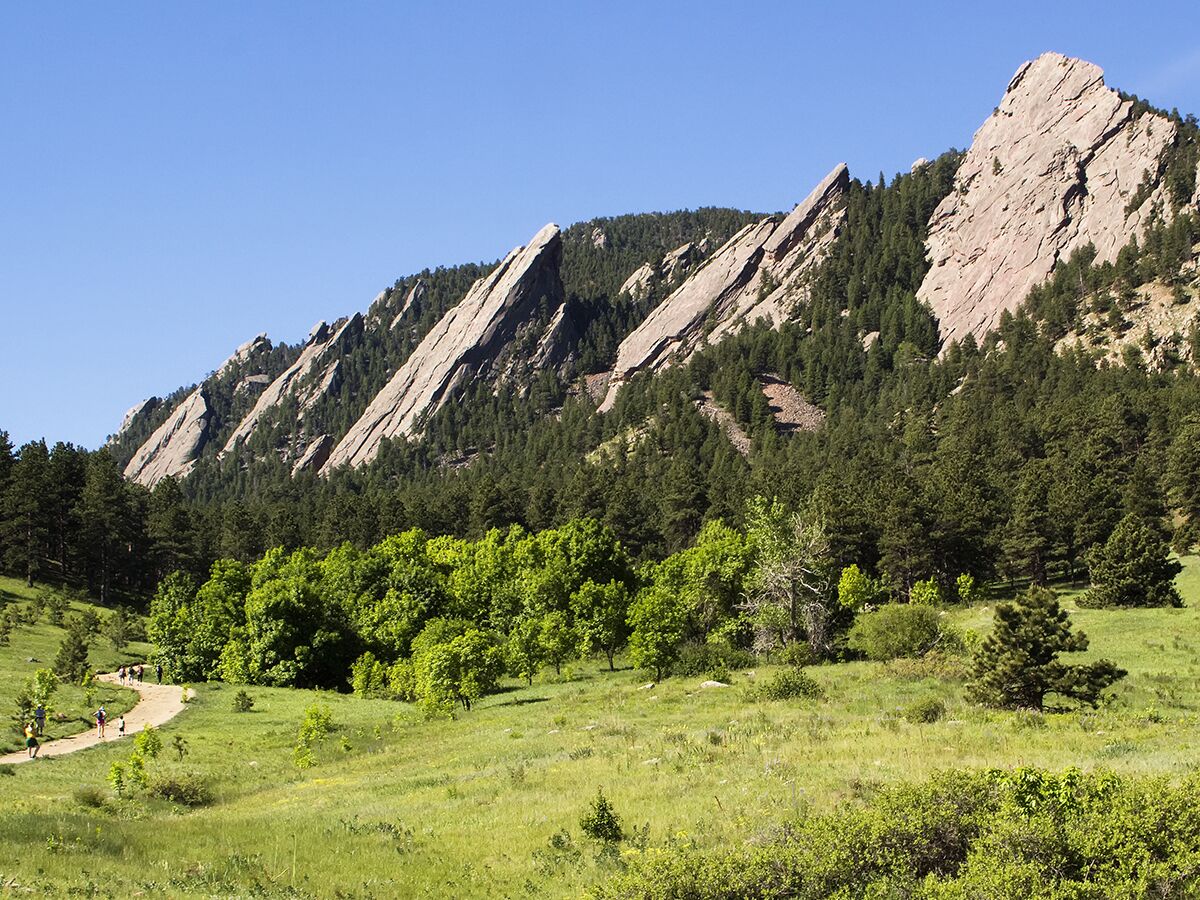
<point>175,445</point>
<point>1057,165</point>
<point>462,345</point>
<point>758,274</point>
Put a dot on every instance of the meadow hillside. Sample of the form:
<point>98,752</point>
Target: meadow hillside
<point>489,803</point>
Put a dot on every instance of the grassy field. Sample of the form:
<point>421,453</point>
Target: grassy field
<point>397,806</point>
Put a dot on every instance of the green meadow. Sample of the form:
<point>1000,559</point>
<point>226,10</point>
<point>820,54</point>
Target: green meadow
<point>398,806</point>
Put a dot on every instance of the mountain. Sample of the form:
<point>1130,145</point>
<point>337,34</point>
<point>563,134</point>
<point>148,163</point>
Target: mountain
<point>445,362</point>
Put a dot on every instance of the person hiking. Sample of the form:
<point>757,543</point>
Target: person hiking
<point>121,674</point>
<point>100,717</point>
<point>31,741</point>
<point>39,717</point>
<point>141,667</point>
<point>158,672</point>
<point>121,726</point>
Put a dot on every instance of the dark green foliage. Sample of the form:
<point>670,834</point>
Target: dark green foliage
<point>1017,665</point>
<point>601,821</point>
<point>186,789</point>
<point>790,684</point>
<point>999,834</point>
<point>242,702</point>
<point>1132,568</point>
<point>71,661</point>
<point>895,630</point>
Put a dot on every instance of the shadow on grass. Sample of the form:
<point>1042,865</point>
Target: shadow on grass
<point>521,701</point>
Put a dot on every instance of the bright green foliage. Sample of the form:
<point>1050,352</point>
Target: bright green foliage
<point>965,587</point>
<point>856,588</point>
<point>454,663</point>
<point>523,648</point>
<point>148,742</point>
<point>558,640</point>
<point>925,593</point>
<point>399,588</point>
<point>1017,665</point>
<point>368,676</point>
<point>926,711</point>
<point>895,630</point>
<point>1133,568</point>
<point>658,618</point>
<point>314,728</point>
<point>710,577</point>
<point>242,702</point>
<point>601,614</point>
<point>42,687</point>
<point>116,778</point>
<point>601,821</point>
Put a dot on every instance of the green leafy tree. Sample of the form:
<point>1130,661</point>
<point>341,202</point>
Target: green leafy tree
<point>559,641</point>
<point>455,663</point>
<point>856,588</point>
<point>1132,568</point>
<point>1017,665</point>
<point>523,648</point>
<point>602,617</point>
<point>925,593</point>
<point>657,618</point>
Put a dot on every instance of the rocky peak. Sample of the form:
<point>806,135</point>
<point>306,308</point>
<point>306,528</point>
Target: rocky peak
<point>414,298</point>
<point>138,409</point>
<point>465,344</point>
<point>669,270</point>
<point>325,343</point>
<point>244,353</point>
<point>756,274</point>
<point>175,445</point>
<point>1057,165</point>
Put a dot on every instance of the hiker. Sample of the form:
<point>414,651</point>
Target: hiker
<point>141,666</point>
<point>39,716</point>
<point>121,674</point>
<point>158,672</point>
<point>121,726</point>
<point>31,741</point>
<point>100,717</point>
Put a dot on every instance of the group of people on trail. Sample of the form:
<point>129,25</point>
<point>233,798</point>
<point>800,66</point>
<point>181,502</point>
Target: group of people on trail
<point>132,672</point>
<point>102,723</point>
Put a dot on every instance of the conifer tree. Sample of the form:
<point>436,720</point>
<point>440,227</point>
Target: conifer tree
<point>1017,665</point>
<point>1132,568</point>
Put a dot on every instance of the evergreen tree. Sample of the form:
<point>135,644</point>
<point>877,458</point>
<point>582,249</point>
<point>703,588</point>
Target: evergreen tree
<point>1132,568</point>
<point>1017,665</point>
<point>71,661</point>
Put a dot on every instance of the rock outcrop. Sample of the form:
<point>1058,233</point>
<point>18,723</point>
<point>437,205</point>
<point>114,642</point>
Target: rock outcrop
<point>325,343</point>
<point>314,455</point>
<point>146,406</point>
<point>413,299</point>
<point>1057,165</point>
<point>669,270</point>
<point>175,445</point>
<point>244,353</point>
<point>757,274</point>
<point>463,345</point>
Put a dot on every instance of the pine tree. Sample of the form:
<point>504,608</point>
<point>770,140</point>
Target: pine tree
<point>1132,568</point>
<point>71,661</point>
<point>1017,664</point>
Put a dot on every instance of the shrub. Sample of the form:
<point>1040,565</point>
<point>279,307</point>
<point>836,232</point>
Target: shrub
<point>242,702</point>
<point>314,728</point>
<point>89,796</point>
<point>147,742</point>
<point>895,630</point>
<point>187,789</point>
<point>926,711</point>
<point>790,684</point>
<point>925,593</point>
<point>601,821</point>
<point>705,659</point>
<point>934,664</point>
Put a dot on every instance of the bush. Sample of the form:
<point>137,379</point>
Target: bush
<point>1132,569</point>
<point>925,593</point>
<point>601,821</point>
<point>89,796</point>
<point>934,664</point>
<point>314,728</point>
<point>187,789</point>
<point>790,684</point>
<point>895,630</point>
<point>706,659</point>
<point>242,702</point>
<point>925,712</point>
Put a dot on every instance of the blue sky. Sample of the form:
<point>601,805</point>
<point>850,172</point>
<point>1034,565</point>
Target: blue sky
<point>177,177</point>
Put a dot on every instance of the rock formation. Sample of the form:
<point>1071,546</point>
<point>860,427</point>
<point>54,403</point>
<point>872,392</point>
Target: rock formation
<point>1054,167</point>
<point>324,344</point>
<point>757,274</point>
<point>175,445</point>
<point>670,269</point>
<point>245,353</point>
<point>414,298</point>
<point>139,409</point>
<point>314,455</point>
<point>463,344</point>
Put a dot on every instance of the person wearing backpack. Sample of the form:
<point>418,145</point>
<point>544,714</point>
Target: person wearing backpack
<point>31,741</point>
<point>101,715</point>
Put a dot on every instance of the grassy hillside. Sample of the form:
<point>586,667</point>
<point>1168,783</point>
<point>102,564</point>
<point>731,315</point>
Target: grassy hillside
<point>398,806</point>
<point>32,647</point>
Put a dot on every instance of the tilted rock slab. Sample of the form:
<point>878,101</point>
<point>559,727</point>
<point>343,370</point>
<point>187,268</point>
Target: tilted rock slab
<point>757,274</point>
<point>175,445</point>
<point>672,266</point>
<point>324,342</point>
<point>463,344</point>
<point>1053,168</point>
<point>147,405</point>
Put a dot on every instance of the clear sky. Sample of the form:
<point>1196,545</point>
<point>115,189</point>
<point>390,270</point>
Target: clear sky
<point>177,177</point>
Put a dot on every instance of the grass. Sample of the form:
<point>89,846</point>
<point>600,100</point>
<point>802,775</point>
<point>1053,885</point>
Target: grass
<point>33,647</point>
<point>400,806</point>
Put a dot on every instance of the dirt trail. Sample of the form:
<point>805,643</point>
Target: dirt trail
<point>160,703</point>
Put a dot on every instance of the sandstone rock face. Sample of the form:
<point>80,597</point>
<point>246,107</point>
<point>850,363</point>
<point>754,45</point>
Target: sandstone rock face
<point>462,345</point>
<point>244,353</point>
<point>175,444</point>
<point>673,266</point>
<point>314,455</point>
<point>324,344</point>
<point>757,274</point>
<point>414,298</point>
<point>147,405</point>
<point>1053,168</point>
